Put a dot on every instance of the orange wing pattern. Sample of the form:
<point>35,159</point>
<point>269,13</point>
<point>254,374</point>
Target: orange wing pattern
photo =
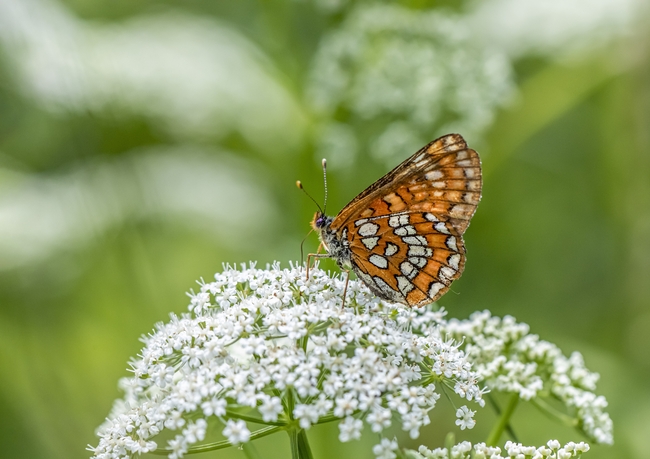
<point>405,230</point>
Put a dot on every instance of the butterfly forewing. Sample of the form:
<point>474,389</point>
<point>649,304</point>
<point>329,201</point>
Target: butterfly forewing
<point>404,231</point>
<point>445,170</point>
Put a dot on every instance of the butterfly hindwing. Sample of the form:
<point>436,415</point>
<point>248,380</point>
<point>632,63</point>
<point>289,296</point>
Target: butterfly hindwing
<point>410,257</point>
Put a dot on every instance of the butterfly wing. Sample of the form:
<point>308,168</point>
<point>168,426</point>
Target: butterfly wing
<point>404,231</point>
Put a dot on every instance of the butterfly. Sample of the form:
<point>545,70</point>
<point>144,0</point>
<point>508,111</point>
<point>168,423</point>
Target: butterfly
<point>402,236</point>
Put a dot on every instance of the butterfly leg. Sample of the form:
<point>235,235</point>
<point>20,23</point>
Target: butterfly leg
<point>315,255</point>
<point>345,289</point>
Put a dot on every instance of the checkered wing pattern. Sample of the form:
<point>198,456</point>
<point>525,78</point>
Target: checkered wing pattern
<point>405,230</point>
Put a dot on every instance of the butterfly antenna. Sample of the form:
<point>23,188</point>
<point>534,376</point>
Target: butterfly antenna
<point>299,185</point>
<point>325,183</point>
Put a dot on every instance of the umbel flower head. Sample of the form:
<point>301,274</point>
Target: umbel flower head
<point>273,347</point>
<point>263,351</point>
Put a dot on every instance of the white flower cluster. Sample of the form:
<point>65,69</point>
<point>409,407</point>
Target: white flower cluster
<point>405,75</point>
<point>464,450</point>
<point>509,359</point>
<point>272,347</point>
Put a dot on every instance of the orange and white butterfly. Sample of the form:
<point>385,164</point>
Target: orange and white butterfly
<point>402,235</point>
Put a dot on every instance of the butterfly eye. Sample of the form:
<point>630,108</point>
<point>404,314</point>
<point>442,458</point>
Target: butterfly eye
<point>320,222</point>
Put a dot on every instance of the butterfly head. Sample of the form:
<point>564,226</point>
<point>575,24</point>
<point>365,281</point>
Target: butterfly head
<point>320,221</point>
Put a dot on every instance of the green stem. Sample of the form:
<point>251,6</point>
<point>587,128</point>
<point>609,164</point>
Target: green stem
<point>234,415</point>
<point>299,444</point>
<point>553,413</point>
<point>496,407</point>
<point>250,451</point>
<point>504,420</point>
<point>220,444</point>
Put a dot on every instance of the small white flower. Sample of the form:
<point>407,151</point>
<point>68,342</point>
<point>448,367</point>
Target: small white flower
<point>178,446</point>
<point>195,431</point>
<point>385,449</point>
<point>215,406</point>
<point>270,409</point>
<point>553,444</point>
<point>461,450</point>
<point>350,429</point>
<point>306,414</point>
<point>581,447</point>
<point>345,405</point>
<point>465,418</point>
<point>236,432</point>
<point>379,418</point>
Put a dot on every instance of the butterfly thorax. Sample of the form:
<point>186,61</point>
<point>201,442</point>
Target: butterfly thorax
<point>336,245</point>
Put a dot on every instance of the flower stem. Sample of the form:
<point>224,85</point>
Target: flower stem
<point>250,451</point>
<point>553,413</point>
<point>299,444</point>
<point>220,444</point>
<point>504,420</point>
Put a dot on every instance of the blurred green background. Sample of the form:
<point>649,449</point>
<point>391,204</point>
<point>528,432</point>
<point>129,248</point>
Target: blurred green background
<point>143,144</point>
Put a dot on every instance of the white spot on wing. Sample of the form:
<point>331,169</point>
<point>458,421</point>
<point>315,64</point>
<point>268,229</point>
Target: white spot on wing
<point>404,285</point>
<point>446,273</point>
<point>434,175</point>
<point>415,240</point>
<point>398,220</point>
<point>391,249</point>
<point>408,269</point>
<point>441,184</point>
<point>378,261</point>
<point>418,261</point>
<point>368,229</point>
<point>469,198</point>
<point>360,222</point>
<point>407,230</point>
<point>432,218</point>
<point>441,227</point>
<point>387,290</point>
<point>419,251</point>
<point>451,243</point>
<point>464,163</point>
<point>461,155</point>
<point>435,288</point>
<point>454,261</point>
<point>370,242</point>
